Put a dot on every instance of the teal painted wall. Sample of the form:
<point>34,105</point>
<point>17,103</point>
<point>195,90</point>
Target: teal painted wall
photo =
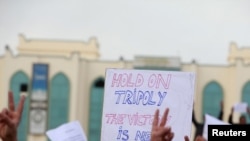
<point>95,111</point>
<point>58,101</point>
<point>16,80</point>
<point>212,97</point>
<point>246,97</point>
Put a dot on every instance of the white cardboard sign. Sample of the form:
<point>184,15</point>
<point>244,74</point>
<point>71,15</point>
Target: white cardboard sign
<point>132,96</point>
<point>210,120</point>
<point>240,107</point>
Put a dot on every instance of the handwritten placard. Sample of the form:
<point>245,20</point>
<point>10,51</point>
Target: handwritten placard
<point>132,96</point>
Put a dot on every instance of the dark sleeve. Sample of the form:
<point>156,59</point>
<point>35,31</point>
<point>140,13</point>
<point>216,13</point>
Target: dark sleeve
<point>221,115</point>
<point>230,119</point>
<point>194,120</point>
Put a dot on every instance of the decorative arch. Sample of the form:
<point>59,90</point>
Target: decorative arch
<point>95,110</point>
<point>245,96</point>
<point>212,97</point>
<point>16,81</point>
<point>58,100</point>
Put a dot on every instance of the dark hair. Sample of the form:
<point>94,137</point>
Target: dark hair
<point>242,116</point>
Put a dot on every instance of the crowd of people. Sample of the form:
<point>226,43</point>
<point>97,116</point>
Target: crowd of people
<point>199,126</point>
<point>11,116</point>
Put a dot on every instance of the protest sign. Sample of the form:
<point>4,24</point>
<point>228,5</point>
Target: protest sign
<point>210,120</point>
<point>131,98</point>
<point>240,107</point>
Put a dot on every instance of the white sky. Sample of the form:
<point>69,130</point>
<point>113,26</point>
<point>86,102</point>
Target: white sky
<point>192,29</point>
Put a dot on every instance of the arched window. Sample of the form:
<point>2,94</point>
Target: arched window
<point>95,111</point>
<point>58,101</point>
<point>212,97</point>
<point>16,81</point>
<point>246,96</point>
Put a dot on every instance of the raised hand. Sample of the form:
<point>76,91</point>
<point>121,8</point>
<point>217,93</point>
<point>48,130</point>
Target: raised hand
<point>159,131</point>
<point>10,119</point>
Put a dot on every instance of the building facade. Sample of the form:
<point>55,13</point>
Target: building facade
<point>64,81</point>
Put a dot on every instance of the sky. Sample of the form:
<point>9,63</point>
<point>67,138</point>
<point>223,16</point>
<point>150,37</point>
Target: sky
<point>200,30</point>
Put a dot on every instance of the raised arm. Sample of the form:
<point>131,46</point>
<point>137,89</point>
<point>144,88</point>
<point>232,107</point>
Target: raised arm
<point>195,122</point>
<point>221,111</point>
<point>230,119</point>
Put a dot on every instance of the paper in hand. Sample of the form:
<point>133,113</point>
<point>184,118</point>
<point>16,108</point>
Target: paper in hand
<point>240,107</point>
<point>71,131</point>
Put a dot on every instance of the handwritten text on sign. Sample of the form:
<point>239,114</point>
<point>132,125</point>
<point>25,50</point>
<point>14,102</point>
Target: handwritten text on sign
<point>132,96</point>
<point>139,96</point>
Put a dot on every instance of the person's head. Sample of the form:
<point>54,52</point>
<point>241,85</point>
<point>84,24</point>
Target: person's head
<point>242,119</point>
